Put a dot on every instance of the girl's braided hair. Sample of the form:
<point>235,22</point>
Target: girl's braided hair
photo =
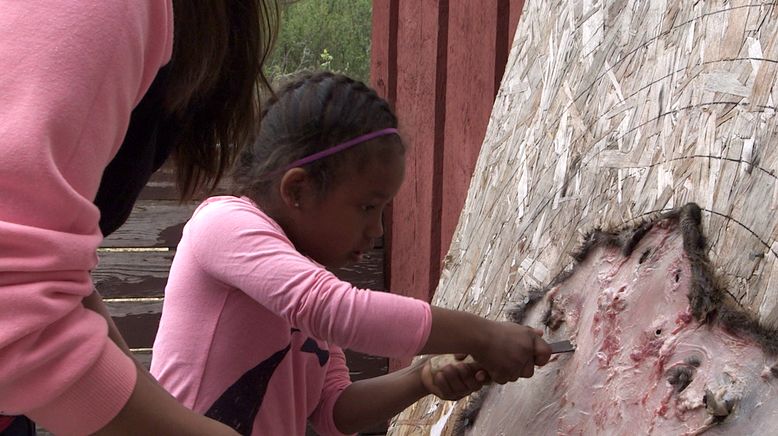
<point>315,112</point>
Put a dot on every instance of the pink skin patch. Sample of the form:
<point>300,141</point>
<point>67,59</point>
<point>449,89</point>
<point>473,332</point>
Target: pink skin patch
<point>643,364</point>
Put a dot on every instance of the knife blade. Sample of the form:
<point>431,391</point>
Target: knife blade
<point>561,347</point>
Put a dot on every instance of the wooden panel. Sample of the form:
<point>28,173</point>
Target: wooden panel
<point>421,33</point>
<point>137,320</point>
<point>162,185</point>
<point>363,366</point>
<point>144,274</point>
<point>153,223</point>
<point>368,274</point>
<point>132,273</point>
<point>143,355</point>
<point>383,48</point>
<point>516,7</point>
<point>417,97</point>
<point>469,99</point>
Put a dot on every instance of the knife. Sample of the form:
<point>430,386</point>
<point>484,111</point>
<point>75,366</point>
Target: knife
<point>561,347</point>
<point>442,360</point>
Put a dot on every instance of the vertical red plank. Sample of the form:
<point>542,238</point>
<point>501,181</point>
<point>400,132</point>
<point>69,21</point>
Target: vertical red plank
<point>383,78</point>
<point>502,44</point>
<point>418,95</point>
<point>469,99</point>
<point>515,13</point>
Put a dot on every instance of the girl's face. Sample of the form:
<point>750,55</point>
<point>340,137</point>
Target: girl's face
<point>338,227</point>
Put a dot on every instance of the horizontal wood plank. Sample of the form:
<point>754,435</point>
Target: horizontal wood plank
<point>162,185</point>
<point>368,274</point>
<point>153,223</point>
<point>136,319</point>
<point>125,274</point>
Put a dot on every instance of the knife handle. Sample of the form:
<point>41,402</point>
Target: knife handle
<point>439,361</point>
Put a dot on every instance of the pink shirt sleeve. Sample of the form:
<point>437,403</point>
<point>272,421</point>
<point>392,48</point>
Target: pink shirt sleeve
<point>239,245</point>
<point>337,380</point>
<point>70,74</point>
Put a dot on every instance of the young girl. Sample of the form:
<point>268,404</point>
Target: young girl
<point>253,324</point>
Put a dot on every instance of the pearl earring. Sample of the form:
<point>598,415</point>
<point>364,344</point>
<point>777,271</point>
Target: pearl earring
<point>296,204</point>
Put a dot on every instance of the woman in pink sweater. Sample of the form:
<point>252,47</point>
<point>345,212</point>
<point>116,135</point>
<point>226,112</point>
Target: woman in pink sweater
<point>253,324</point>
<point>94,96</point>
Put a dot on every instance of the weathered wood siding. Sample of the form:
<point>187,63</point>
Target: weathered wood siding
<point>609,111</point>
<point>439,63</point>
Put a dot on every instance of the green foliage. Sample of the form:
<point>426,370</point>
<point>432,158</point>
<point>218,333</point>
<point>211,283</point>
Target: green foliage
<point>329,35</point>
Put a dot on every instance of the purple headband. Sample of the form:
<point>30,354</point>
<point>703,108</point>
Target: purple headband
<point>338,148</point>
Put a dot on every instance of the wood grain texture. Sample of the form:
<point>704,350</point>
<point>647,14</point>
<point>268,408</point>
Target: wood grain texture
<point>610,111</point>
<point>152,223</point>
<point>130,274</point>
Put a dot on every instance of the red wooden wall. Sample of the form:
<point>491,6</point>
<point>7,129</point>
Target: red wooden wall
<point>440,63</point>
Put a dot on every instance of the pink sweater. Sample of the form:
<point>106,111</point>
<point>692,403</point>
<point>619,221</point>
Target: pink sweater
<point>249,325</point>
<point>70,74</point>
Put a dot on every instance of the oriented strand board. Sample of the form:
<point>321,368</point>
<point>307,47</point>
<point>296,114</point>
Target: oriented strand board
<point>609,111</point>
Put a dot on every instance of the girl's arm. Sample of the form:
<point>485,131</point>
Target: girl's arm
<point>506,350</point>
<point>368,402</point>
<point>372,401</point>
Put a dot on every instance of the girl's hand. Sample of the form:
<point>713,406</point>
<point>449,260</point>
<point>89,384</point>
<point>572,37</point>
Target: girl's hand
<point>454,380</point>
<point>512,351</point>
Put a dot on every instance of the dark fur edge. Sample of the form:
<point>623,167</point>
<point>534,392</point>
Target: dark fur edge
<point>516,314</point>
<point>709,302</point>
<point>626,239</point>
<point>466,417</point>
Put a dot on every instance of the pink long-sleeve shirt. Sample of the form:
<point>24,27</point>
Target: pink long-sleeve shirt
<point>252,330</point>
<point>70,75</point>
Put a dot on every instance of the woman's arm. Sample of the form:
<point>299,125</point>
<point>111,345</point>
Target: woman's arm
<point>151,410</point>
<point>94,302</point>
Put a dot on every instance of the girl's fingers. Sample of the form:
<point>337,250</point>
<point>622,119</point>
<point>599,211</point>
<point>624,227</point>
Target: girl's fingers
<point>468,375</point>
<point>443,379</point>
<point>457,381</point>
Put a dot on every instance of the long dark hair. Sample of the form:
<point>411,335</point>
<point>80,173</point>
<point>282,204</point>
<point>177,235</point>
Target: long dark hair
<point>312,113</point>
<point>213,84</point>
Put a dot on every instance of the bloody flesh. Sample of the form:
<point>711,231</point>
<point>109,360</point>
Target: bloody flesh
<point>659,348</point>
